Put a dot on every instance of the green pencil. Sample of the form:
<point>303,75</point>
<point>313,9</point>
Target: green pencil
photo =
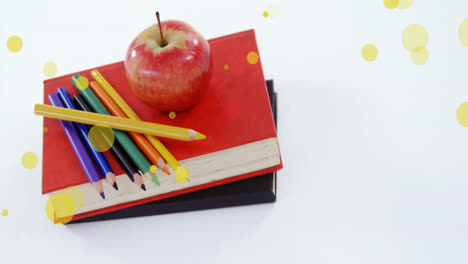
<point>127,144</point>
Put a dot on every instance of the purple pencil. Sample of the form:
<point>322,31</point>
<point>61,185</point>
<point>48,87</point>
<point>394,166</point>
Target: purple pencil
<point>79,148</point>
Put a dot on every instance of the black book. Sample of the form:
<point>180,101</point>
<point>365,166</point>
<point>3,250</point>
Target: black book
<point>257,190</point>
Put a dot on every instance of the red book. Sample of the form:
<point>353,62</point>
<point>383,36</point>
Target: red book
<point>234,114</point>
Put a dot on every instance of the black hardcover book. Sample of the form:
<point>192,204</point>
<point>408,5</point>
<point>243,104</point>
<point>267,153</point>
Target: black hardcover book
<point>260,189</point>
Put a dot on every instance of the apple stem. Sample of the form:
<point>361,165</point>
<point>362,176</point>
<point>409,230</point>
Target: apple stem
<point>160,30</point>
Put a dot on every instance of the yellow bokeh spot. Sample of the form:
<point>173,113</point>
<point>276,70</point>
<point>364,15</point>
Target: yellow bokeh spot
<point>420,56</point>
<point>462,114</point>
<point>101,137</point>
<point>226,67</point>
<point>273,11</point>
<point>391,4</point>
<point>45,130</point>
<point>265,14</point>
<point>463,32</point>
<point>60,208</point>
<point>14,44</point>
<point>82,83</point>
<point>252,57</point>
<point>172,115</point>
<point>153,169</point>
<point>182,175</point>
<point>404,4</point>
<point>29,160</point>
<point>50,69</point>
<point>77,195</point>
<point>369,52</point>
<point>415,36</point>
<point>5,212</point>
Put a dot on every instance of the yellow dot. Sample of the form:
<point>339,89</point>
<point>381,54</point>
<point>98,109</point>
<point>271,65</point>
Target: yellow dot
<point>29,160</point>
<point>369,52</point>
<point>46,130</point>
<point>420,56</point>
<point>273,11</point>
<point>462,114</point>
<point>252,57</point>
<point>14,44</point>
<point>60,208</point>
<point>77,195</point>
<point>172,115</point>
<point>50,69</point>
<point>226,67</point>
<point>404,4</point>
<point>463,32</point>
<point>82,83</point>
<point>415,37</point>
<point>391,4</point>
<point>5,212</point>
<point>145,34</point>
<point>101,137</point>
<point>265,14</point>
<point>182,175</point>
<point>153,169</point>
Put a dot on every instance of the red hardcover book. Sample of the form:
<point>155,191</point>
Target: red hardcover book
<point>234,114</point>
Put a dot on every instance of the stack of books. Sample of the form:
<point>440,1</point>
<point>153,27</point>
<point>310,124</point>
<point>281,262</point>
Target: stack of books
<point>235,165</point>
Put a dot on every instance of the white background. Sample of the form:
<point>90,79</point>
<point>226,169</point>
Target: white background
<point>375,163</point>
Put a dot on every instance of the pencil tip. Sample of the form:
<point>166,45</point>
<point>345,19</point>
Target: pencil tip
<point>199,136</point>
<point>115,186</point>
<point>166,170</point>
<point>156,180</point>
<point>143,187</point>
<point>103,196</point>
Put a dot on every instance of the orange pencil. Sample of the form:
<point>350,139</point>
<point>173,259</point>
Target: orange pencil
<point>139,139</point>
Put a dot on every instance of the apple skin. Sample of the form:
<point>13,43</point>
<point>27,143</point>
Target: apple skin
<point>171,77</point>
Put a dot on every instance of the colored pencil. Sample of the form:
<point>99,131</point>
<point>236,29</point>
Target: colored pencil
<point>132,150</point>
<point>170,159</point>
<point>139,139</point>
<point>99,158</point>
<point>119,154</point>
<point>120,123</point>
<point>80,150</point>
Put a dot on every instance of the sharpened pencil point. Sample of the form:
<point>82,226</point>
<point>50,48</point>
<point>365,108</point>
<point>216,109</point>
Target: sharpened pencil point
<point>156,180</point>
<point>103,196</point>
<point>143,187</point>
<point>166,170</point>
<point>115,186</point>
<point>200,136</point>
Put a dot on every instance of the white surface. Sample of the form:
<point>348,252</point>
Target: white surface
<point>375,161</point>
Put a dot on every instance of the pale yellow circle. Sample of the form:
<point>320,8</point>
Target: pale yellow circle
<point>45,130</point>
<point>101,137</point>
<point>226,67</point>
<point>182,174</point>
<point>153,169</point>
<point>265,14</point>
<point>252,57</point>
<point>462,114</point>
<point>369,52</point>
<point>415,36</point>
<point>463,32</point>
<point>29,160</point>
<point>14,44</point>
<point>77,195</point>
<point>82,83</point>
<point>273,11</point>
<point>172,115</point>
<point>404,4</point>
<point>50,69</point>
<point>60,208</point>
<point>420,56</point>
<point>391,4</point>
<point>5,212</point>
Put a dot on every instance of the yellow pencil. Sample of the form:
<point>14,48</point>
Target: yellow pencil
<point>120,123</point>
<point>181,173</point>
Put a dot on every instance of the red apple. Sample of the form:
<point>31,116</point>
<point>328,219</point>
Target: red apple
<point>169,73</point>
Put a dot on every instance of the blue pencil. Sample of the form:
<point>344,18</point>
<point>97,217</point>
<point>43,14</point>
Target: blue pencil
<point>99,158</point>
<point>79,148</point>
